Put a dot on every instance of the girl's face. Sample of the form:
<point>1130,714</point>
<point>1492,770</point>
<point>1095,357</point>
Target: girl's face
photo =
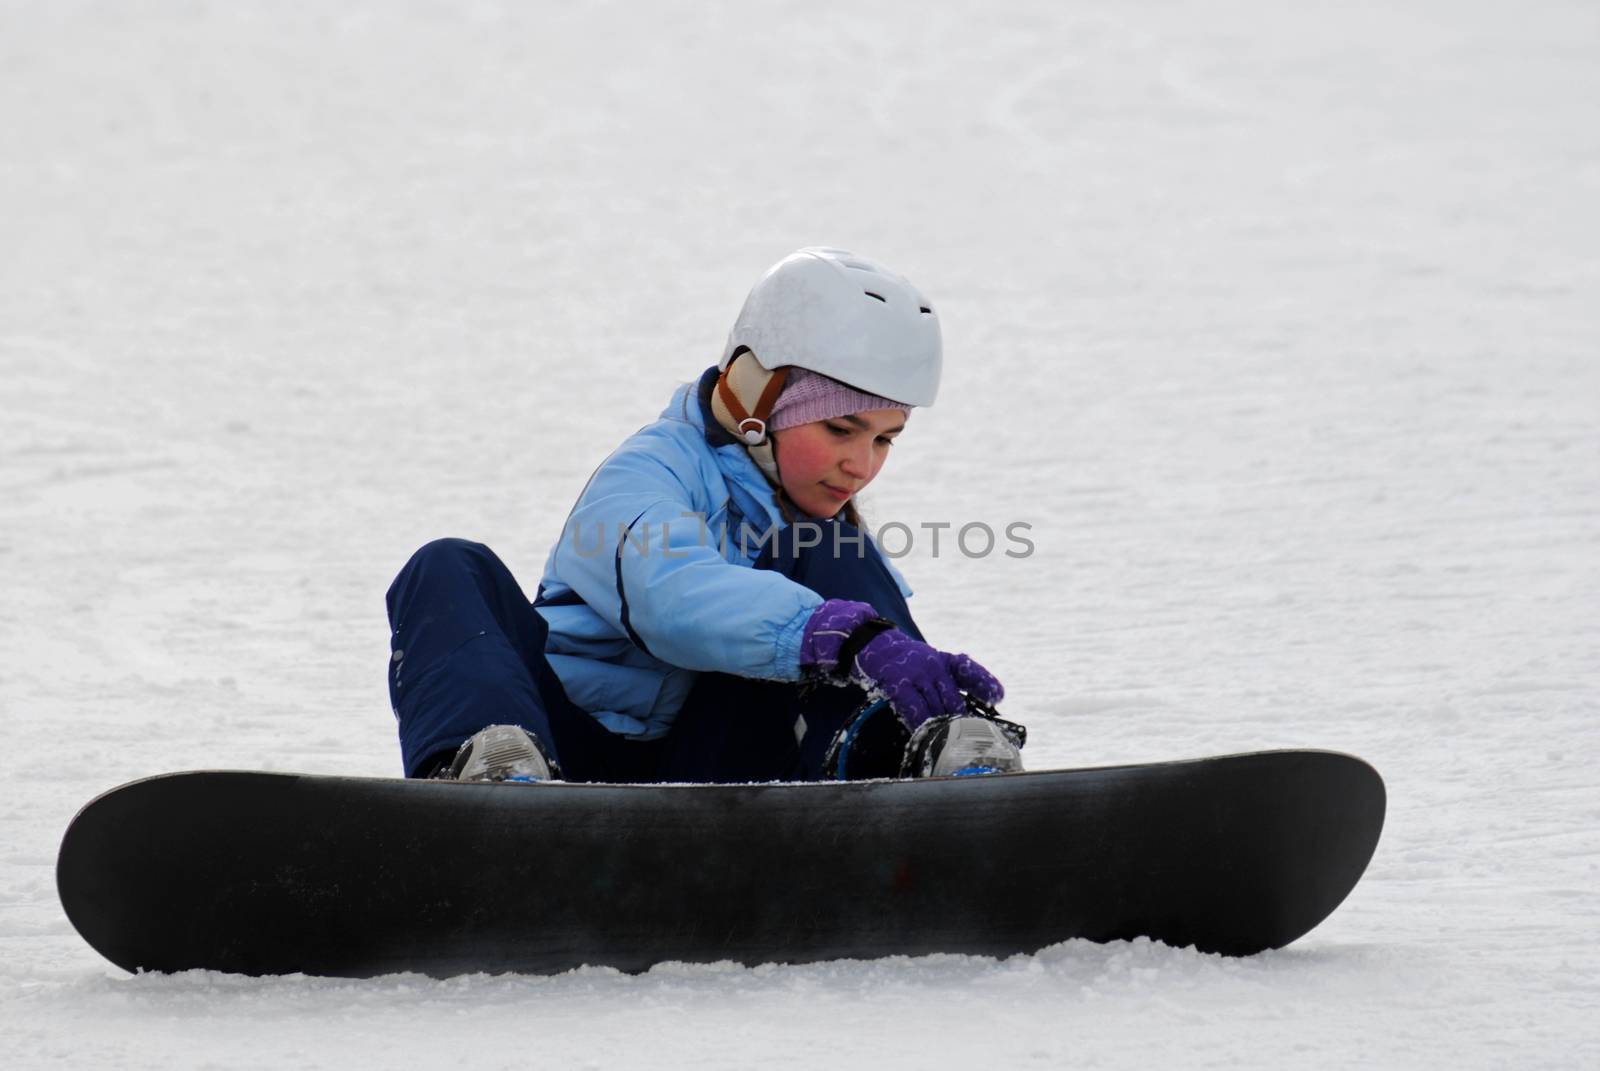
<point>824,463</point>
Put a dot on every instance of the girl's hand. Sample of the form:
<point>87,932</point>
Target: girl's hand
<point>849,640</point>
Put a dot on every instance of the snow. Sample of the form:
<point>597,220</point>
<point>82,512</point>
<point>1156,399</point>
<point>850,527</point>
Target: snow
<point>1277,325</point>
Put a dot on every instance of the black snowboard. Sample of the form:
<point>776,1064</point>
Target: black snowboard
<point>264,873</point>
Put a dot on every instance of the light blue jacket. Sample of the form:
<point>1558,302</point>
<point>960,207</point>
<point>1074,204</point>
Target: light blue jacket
<point>651,581</point>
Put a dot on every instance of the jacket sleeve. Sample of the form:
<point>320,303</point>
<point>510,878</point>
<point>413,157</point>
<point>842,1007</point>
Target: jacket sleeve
<point>637,549</point>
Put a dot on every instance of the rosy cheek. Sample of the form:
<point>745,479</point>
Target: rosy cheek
<point>796,454</point>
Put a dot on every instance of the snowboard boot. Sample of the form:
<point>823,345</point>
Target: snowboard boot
<point>502,753</point>
<point>962,746</point>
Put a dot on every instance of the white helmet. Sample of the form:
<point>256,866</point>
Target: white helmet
<point>847,317</point>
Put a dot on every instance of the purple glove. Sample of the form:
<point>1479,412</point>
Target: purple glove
<point>918,681</point>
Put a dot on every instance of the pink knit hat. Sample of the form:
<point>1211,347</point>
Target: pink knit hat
<point>809,396</point>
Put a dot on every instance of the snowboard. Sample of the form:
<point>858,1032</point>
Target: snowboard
<point>271,873</point>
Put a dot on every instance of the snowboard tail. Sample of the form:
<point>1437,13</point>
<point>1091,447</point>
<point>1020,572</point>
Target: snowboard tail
<point>263,873</point>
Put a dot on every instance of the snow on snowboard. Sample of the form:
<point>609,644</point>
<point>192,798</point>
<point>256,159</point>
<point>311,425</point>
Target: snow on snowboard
<point>265,873</point>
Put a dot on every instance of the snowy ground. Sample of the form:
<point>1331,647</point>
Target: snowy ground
<point>1278,326</point>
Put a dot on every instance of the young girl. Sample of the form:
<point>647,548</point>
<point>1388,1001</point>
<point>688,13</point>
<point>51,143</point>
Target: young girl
<point>713,579</point>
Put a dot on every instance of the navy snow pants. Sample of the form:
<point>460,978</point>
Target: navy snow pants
<point>467,650</point>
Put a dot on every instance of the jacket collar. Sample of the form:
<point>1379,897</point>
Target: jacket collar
<point>751,492</point>
<point>716,435</point>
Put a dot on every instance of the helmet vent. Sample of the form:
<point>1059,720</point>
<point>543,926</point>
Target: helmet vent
<point>880,297</point>
<point>926,311</point>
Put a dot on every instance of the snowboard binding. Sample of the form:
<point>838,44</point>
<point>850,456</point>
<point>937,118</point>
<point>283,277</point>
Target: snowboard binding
<point>874,743</point>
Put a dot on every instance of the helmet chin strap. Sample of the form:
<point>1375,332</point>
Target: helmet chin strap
<point>743,379</point>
